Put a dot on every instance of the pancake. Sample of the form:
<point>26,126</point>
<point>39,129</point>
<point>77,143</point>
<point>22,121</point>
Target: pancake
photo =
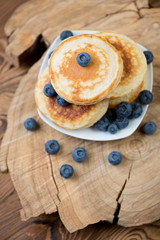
<point>69,117</point>
<point>127,98</point>
<point>90,84</point>
<point>134,63</point>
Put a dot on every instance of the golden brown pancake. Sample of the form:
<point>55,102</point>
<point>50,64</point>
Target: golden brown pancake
<point>134,63</point>
<point>127,98</point>
<point>71,116</point>
<point>90,84</point>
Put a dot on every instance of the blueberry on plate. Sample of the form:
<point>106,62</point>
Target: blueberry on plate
<point>66,34</point>
<point>111,115</point>
<point>66,171</point>
<point>49,91</point>
<point>79,154</point>
<point>112,128</point>
<point>102,124</point>
<point>50,54</point>
<point>121,122</point>
<point>145,97</point>
<point>61,102</point>
<point>149,127</point>
<point>30,124</point>
<point>83,59</point>
<point>115,158</point>
<point>124,109</point>
<point>136,110</point>
<point>52,147</point>
<point>149,56</point>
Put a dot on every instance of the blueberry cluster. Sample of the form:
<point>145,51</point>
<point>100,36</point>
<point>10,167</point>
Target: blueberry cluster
<point>79,154</point>
<point>53,147</point>
<point>116,119</point>
<point>49,91</point>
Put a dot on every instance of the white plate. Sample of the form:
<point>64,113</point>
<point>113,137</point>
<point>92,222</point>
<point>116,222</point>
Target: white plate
<point>91,133</point>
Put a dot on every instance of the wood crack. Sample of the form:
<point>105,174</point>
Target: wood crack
<point>122,10</point>
<point>57,194</point>
<point>138,9</point>
<point>111,14</point>
<point>43,222</point>
<point>118,207</point>
<point>129,174</point>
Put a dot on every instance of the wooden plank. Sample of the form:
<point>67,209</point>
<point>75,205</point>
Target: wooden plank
<point>105,231</point>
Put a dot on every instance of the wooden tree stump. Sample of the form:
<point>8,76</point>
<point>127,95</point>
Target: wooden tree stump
<point>127,193</point>
<point>37,22</point>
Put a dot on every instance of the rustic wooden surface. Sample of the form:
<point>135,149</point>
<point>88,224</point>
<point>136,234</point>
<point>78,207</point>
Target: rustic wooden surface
<point>102,230</point>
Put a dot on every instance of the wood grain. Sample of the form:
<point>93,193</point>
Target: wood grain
<point>24,29</point>
<point>102,230</point>
<point>7,8</point>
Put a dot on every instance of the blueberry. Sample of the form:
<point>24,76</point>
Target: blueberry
<point>145,97</point>
<point>83,59</point>
<point>112,128</point>
<point>102,124</point>
<point>149,56</point>
<point>30,124</point>
<point>115,157</point>
<point>52,147</point>
<point>122,122</point>
<point>50,54</point>
<point>66,171</point>
<point>66,34</point>
<point>136,110</point>
<point>111,115</point>
<point>49,91</point>
<point>61,102</point>
<point>149,127</point>
<point>124,109</point>
<point>79,154</point>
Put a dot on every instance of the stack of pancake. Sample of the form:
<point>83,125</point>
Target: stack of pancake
<point>115,74</point>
